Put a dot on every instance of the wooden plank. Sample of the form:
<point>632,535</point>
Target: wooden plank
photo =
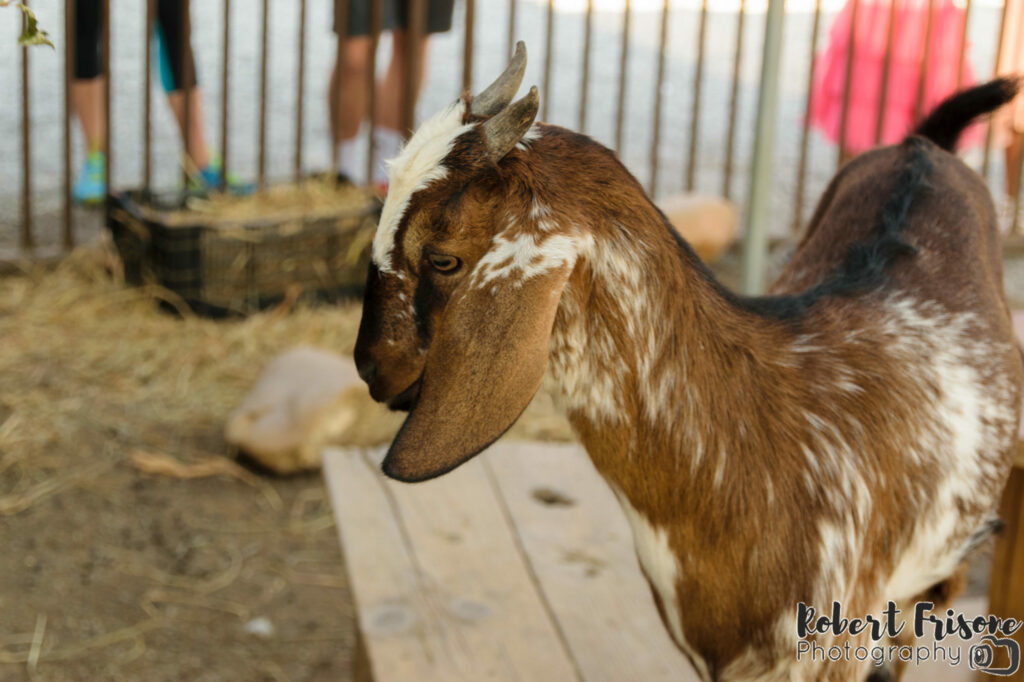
<point>581,550</point>
<point>1006,589</point>
<point>440,586</point>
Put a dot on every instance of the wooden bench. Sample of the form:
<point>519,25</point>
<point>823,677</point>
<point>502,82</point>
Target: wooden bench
<point>516,566</point>
<point>1006,589</point>
<point>519,565</point>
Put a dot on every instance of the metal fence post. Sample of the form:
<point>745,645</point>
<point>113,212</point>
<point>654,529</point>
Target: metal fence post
<point>755,240</point>
<point>27,238</point>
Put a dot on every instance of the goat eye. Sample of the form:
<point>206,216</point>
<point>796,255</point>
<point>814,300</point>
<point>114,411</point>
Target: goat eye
<point>443,263</point>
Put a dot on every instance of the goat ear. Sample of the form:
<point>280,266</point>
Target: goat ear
<point>485,363</point>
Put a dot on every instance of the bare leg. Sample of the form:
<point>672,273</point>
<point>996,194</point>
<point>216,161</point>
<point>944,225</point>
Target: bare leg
<point>87,104</point>
<point>347,99</point>
<point>198,149</point>
<point>389,93</point>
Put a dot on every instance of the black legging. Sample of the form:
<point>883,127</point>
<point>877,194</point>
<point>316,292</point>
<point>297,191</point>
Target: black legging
<point>169,24</point>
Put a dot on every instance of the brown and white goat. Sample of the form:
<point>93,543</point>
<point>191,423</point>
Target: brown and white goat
<point>844,439</point>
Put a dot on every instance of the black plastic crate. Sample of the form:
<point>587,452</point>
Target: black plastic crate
<point>238,267</point>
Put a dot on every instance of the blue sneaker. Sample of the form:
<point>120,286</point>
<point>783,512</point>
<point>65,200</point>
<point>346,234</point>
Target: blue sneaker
<point>91,186</point>
<point>209,180</point>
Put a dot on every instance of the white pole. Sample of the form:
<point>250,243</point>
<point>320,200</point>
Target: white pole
<point>755,218</point>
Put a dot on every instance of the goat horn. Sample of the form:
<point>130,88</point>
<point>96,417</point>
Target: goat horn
<point>499,93</point>
<point>503,130</point>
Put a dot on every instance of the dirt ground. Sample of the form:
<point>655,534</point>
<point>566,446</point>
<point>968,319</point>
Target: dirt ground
<point>111,573</point>
<point>147,578</point>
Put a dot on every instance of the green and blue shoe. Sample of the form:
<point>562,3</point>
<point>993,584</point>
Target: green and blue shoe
<point>91,186</point>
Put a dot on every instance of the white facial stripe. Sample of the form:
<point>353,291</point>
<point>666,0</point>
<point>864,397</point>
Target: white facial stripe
<point>417,165</point>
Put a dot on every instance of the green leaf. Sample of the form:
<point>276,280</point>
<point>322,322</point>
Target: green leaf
<point>32,35</point>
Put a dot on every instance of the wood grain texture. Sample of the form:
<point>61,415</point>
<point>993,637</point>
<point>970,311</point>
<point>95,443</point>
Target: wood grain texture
<point>1006,590</point>
<point>440,586</point>
<point>581,550</point>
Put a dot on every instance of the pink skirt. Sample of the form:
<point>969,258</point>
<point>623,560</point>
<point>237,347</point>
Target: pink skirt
<point>905,70</point>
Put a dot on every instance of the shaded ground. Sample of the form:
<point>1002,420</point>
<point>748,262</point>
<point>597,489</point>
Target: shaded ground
<point>149,578</point>
<point>124,575</point>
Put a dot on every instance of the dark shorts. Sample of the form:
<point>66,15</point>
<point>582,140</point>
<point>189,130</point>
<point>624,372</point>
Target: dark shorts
<point>168,33</point>
<point>394,15</point>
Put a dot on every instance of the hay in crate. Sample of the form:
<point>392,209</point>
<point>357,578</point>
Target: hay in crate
<point>228,254</point>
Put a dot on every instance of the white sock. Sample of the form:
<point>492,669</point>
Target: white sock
<point>387,144</point>
<point>347,161</point>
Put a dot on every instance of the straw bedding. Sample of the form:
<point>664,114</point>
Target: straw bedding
<point>135,546</point>
<point>77,345</point>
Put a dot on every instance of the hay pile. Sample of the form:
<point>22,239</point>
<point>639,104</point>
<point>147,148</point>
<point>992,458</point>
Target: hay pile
<point>313,198</point>
<point>82,354</point>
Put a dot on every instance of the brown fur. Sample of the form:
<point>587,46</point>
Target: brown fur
<point>743,521</point>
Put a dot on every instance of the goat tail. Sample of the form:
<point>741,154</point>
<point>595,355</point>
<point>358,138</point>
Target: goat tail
<point>947,121</point>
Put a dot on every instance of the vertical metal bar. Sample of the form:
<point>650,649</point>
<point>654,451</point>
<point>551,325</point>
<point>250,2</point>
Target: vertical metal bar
<point>698,76</point>
<point>225,94</point>
<point>467,46</point>
<point>417,21</point>
<point>262,172</point>
<point>851,55</point>
<point>108,136</point>
<point>1015,225</point>
<point>883,96</point>
<point>755,241</point>
<point>512,26</point>
<point>988,124</point>
<point>147,101</point>
<point>963,47</point>
<point>372,85</point>
<point>545,99</point>
<point>589,21</point>
<point>652,187</point>
<point>922,74</point>
<point>300,90</point>
<point>341,28</point>
<point>69,66</point>
<point>733,100</point>
<point>623,63</point>
<point>805,133</point>
<point>27,241</point>
<point>189,167</point>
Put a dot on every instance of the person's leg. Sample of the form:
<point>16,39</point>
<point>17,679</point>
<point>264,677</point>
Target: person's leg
<point>87,102</point>
<point>349,92</point>
<point>198,147</point>
<point>388,133</point>
<point>390,92</point>
<point>87,106</point>
<point>178,74</point>
<point>348,97</point>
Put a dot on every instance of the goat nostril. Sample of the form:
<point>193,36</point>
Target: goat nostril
<point>367,370</point>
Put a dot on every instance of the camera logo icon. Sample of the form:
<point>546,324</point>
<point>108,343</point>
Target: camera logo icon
<point>980,656</point>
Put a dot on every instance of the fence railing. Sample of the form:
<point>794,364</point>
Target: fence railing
<point>670,85</point>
